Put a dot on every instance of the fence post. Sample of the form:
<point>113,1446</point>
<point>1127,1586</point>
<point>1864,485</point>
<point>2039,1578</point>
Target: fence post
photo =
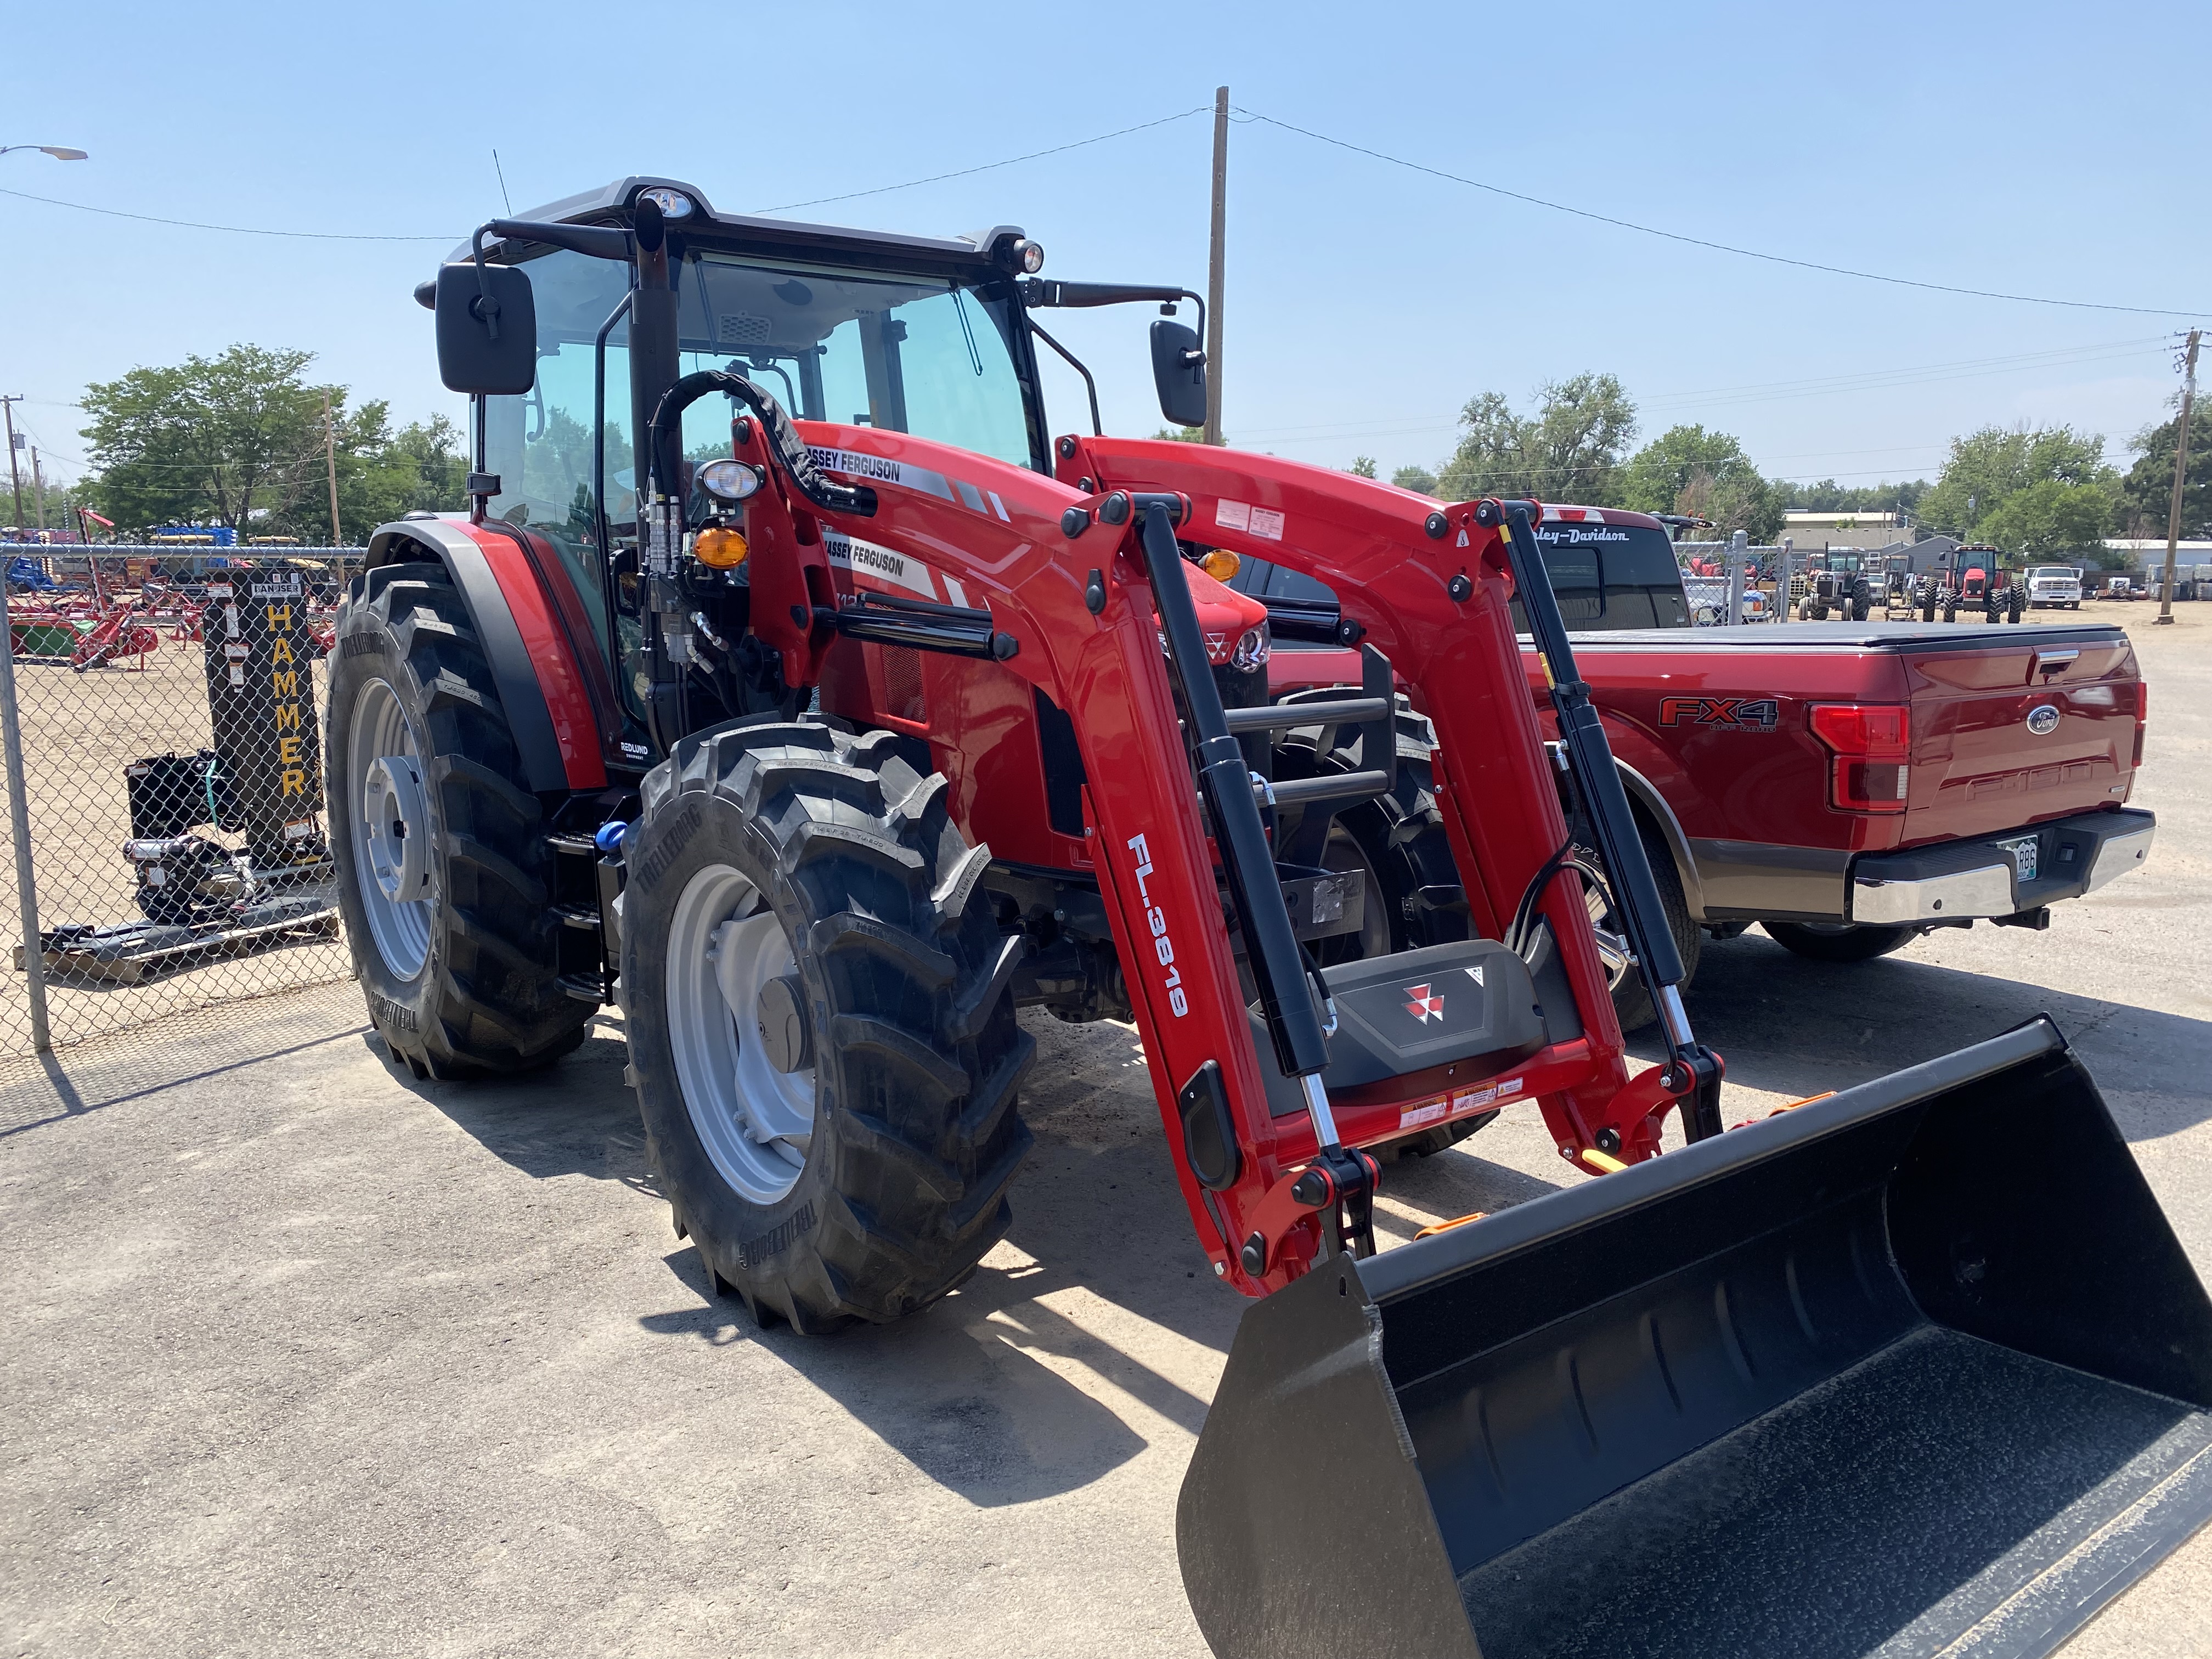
<point>19,825</point>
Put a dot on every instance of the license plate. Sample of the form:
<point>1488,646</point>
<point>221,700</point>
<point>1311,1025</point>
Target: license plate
<point>2023,852</point>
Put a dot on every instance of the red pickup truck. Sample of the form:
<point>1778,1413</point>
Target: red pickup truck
<point>1846,787</point>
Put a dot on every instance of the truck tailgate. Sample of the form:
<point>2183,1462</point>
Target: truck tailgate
<point>2010,726</point>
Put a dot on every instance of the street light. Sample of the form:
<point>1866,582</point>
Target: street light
<point>59,152</point>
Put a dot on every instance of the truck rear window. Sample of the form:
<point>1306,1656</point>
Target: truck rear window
<point>1608,576</point>
<point>1611,576</point>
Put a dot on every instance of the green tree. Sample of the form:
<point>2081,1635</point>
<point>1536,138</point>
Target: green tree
<point>1829,497</point>
<point>1362,466</point>
<point>2146,496</point>
<point>381,475</point>
<point>1687,469</point>
<point>226,441</point>
<point>239,439</point>
<point>1187,434</point>
<point>1989,467</point>
<point>2049,519</point>
<point>1568,449</point>
<point>1418,479</point>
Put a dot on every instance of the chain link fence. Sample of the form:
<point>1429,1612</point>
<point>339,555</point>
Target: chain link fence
<point>160,714</point>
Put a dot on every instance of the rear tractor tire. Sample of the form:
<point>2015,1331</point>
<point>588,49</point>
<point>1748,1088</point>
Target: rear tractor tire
<point>821,1023</point>
<point>444,880</point>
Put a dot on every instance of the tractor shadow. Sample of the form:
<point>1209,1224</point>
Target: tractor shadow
<point>576,1117</point>
<point>1096,1330</point>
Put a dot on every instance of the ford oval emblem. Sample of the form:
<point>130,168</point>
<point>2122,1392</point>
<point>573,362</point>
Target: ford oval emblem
<point>2042,719</point>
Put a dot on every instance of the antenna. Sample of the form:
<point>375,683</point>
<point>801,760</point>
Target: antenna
<point>502,171</point>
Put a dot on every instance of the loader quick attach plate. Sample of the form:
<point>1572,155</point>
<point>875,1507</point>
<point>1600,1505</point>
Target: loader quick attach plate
<point>1918,1369</point>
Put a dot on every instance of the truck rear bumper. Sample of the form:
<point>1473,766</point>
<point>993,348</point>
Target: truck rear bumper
<point>2001,875</point>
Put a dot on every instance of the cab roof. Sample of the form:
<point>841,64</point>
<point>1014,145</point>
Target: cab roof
<point>612,204</point>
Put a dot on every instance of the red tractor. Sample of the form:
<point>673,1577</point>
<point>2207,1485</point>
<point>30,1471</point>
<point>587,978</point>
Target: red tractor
<point>792,686</point>
<point>1974,582</point>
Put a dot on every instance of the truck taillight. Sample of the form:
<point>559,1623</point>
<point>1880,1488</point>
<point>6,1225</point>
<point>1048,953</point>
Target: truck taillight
<point>1873,747</point>
<point>2142,717</point>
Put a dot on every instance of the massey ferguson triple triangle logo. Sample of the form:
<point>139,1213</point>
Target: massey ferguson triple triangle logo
<point>1423,1006</point>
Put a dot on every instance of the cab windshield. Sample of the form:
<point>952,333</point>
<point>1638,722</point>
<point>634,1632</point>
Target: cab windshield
<point>920,355</point>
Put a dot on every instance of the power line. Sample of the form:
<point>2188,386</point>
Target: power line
<point>1717,247</point>
<point>1766,391</point>
<point>235,230</point>
<point>963,172</point>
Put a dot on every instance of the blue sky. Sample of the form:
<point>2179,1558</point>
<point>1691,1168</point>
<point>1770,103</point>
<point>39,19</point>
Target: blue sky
<point>2026,148</point>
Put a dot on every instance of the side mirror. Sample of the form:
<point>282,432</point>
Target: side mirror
<point>1179,372</point>
<point>487,329</point>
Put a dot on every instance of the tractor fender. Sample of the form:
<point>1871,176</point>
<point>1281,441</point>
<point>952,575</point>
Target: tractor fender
<point>533,667</point>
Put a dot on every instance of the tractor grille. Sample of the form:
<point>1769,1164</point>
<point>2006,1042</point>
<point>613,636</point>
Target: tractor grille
<point>903,684</point>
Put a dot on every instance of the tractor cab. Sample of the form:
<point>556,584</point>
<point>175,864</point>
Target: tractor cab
<point>916,335</point>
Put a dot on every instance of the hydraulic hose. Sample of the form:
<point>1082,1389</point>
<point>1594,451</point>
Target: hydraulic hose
<point>783,440</point>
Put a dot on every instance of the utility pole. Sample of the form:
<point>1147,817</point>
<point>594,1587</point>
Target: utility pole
<point>2180,472</point>
<point>330,462</point>
<point>38,488</point>
<point>1215,265</point>
<point>15,473</point>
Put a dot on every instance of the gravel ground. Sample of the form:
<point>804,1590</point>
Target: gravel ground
<point>306,1357</point>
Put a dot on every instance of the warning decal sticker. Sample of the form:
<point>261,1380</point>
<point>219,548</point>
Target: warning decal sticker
<point>1261,521</point>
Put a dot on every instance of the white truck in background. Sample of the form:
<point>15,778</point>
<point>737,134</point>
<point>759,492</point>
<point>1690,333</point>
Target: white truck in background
<point>2058,586</point>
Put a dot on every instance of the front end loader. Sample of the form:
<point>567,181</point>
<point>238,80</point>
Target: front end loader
<point>790,686</point>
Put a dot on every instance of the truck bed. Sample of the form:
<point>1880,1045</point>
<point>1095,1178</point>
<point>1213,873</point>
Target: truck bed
<point>2011,726</point>
<point>1862,637</point>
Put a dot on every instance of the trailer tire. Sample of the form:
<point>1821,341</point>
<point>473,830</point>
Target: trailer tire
<point>463,981</point>
<point>1838,941</point>
<point>871,1177</point>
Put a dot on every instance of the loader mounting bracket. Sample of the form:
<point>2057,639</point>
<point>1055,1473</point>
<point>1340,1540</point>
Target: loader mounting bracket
<point>1338,1187</point>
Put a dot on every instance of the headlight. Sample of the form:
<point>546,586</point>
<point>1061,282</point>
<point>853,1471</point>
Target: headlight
<point>1030,256</point>
<point>1253,650</point>
<point>673,204</point>
<point>729,479</point>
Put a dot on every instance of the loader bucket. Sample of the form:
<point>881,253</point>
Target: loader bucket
<point>1917,1368</point>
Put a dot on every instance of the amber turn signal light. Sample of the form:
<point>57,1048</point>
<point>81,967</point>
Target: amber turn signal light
<point>720,548</point>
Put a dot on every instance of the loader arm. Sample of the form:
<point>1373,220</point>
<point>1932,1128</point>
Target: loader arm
<point>941,549</point>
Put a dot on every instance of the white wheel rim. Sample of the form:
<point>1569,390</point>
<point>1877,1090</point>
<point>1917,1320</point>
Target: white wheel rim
<point>1611,945</point>
<point>755,1122</point>
<point>390,829</point>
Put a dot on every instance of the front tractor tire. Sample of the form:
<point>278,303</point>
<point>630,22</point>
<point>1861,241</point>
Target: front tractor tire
<point>444,880</point>
<point>821,1023</point>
